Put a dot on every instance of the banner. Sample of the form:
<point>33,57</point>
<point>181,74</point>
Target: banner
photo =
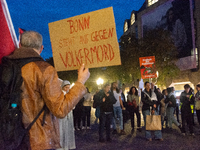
<point>147,67</point>
<point>8,39</point>
<point>88,38</point>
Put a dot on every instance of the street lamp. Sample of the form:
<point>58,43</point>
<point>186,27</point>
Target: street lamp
<point>99,82</point>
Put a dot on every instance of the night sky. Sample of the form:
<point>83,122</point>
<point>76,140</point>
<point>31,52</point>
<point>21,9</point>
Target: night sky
<point>35,15</point>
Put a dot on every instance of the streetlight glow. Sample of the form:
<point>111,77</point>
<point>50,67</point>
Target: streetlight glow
<point>99,81</point>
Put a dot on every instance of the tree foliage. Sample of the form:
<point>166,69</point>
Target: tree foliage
<point>156,43</point>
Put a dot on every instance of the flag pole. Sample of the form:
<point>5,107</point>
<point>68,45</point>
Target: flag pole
<point>9,22</point>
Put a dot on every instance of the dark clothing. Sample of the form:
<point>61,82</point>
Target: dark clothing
<point>132,116</point>
<point>185,103</point>
<point>106,109</point>
<point>198,116</point>
<point>86,115</point>
<point>186,114</point>
<point>146,101</point>
<point>177,111</point>
<point>105,121</point>
<point>95,99</point>
<point>187,118</point>
<point>77,113</point>
<point>171,99</point>
<point>106,106</point>
<point>77,118</point>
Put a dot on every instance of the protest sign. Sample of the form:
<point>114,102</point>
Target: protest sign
<point>147,67</point>
<point>88,38</point>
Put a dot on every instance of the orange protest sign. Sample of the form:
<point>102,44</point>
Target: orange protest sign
<point>147,67</point>
<point>88,38</point>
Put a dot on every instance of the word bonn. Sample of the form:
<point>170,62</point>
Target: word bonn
<point>79,24</point>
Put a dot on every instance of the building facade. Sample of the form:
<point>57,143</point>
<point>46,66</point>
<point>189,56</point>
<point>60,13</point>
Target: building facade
<point>182,19</point>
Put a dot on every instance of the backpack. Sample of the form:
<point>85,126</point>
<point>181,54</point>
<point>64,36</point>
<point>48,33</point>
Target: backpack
<point>13,135</point>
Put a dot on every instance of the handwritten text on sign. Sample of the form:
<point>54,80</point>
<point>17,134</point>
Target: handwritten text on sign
<point>89,38</point>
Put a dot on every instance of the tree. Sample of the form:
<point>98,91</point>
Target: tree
<point>156,43</point>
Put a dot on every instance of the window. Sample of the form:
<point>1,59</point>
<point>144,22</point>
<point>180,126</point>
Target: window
<point>125,26</point>
<point>151,2</point>
<point>132,18</point>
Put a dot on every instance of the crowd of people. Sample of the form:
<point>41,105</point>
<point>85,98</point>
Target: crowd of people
<point>113,108</point>
<point>69,109</point>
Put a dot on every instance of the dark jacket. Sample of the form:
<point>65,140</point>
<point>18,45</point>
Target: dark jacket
<point>171,99</point>
<point>146,101</point>
<point>185,102</point>
<point>106,106</point>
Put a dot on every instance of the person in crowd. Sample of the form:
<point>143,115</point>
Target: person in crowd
<point>171,100</point>
<point>117,109</point>
<point>197,102</point>
<point>77,113</point>
<point>125,113</point>
<point>133,101</point>
<point>162,107</point>
<point>97,109</point>
<point>40,87</point>
<point>66,125</point>
<point>186,114</point>
<point>177,105</point>
<point>150,104</point>
<point>87,110</point>
<point>192,105</point>
<point>105,102</point>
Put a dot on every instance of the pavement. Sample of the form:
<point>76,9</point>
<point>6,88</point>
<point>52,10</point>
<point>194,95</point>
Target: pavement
<point>173,140</point>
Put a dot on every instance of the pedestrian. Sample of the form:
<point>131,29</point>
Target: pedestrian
<point>41,87</point>
<point>87,103</point>
<point>117,109</point>
<point>186,114</point>
<point>150,104</point>
<point>171,100</point>
<point>66,125</point>
<point>125,112</point>
<point>97,108</point>
<point>105,102</point>
<point>197,102</point>
<point>133,101</point>
<point>177,105</point>
<point>192,105</point>
<point>163,108</point>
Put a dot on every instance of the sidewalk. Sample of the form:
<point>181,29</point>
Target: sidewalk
<point>173,140</point>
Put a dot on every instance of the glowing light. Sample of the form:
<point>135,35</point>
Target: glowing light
<point>99,81</point>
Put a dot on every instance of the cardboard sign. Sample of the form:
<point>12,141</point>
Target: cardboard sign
<point>88,38</point>
<point>147,67</point>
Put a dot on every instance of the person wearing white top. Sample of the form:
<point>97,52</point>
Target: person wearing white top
<point>87,103</point>
<point>117,109</point>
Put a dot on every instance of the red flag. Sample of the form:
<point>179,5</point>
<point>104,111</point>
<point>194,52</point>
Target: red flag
<point>21,31</point>
<point>8,39</point>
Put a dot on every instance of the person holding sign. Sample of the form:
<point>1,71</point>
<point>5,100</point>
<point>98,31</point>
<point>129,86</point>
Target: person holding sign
<point>41,87</point>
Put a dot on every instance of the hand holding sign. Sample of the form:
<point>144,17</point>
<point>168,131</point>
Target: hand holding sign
<point>83,74</point>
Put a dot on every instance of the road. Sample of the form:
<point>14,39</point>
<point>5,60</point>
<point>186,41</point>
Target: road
<point>173,140</point>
